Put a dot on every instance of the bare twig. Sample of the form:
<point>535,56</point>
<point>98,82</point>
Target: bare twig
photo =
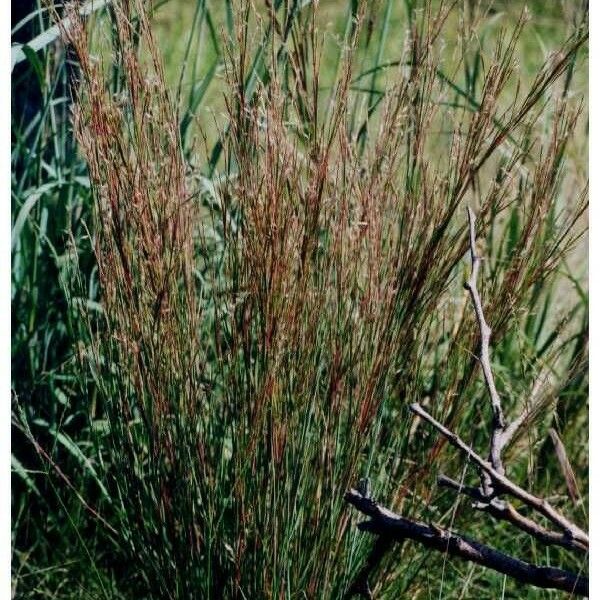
<point>506,485</point>
<point>530,408</point>
<point>503,431</point>
<point>498,423</point>
<point>494,482</point>
<point>384,522</point>
<point>512,428</point>
<point>503,510</point>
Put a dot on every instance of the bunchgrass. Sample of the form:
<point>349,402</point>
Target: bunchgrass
<point>280,281</point>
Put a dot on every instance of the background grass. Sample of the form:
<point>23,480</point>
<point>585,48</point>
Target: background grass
<point>60,547</point>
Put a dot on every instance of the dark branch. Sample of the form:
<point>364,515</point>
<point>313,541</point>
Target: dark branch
<point>360,586</point>
<point>384,522</point>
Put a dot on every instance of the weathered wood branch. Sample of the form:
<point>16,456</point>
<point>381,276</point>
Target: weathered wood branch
<point>503,484</point>
<point>503,510</point>
<point>503,431</point>
<point>498,421</point>
<point>384,522</point>
<point>390,526</point>
<point>360,585</point>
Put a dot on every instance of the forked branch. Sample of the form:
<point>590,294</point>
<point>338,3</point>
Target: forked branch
<point>503,510</point>
<point>390,526</point>
<point>503,484</point>
<point>384,522</point>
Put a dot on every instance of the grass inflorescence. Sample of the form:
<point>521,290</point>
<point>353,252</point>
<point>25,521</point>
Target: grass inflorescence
<point>279,282</point>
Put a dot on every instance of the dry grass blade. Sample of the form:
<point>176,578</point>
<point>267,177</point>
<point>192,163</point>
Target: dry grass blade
<point>565,466</point>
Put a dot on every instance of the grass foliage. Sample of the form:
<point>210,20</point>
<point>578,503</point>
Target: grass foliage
<point>221,316</point>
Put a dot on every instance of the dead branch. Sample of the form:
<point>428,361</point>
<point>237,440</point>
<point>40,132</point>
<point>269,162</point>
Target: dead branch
<point>384,522</point>
<point>498,422</point>
<point>494,483</point>
<point>503,510</point>
<point>503,484</point>
<point>360,586</point>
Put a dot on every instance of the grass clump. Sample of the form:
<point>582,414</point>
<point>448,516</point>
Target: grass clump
<point>269,320</point>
